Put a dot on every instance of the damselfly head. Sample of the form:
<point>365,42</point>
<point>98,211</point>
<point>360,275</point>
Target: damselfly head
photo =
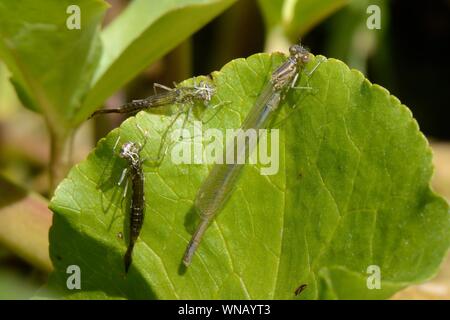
<point>204,91</point>
<point>300,53</point>
<point>129,150</point>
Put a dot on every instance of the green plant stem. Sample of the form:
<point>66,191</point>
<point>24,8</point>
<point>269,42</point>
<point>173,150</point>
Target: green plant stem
<point>276,40</point>
<point>59,156</point>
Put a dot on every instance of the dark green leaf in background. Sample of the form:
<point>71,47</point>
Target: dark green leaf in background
<point>51,65</point>
<point>143,33</point>
<point>68,73</point>
<point>297,17</point>
<point>74,71</point>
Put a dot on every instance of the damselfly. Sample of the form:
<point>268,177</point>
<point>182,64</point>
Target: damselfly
<point>181,96</point>
<point>218,186</point>
<point>202,92</point>
<point>130,151</point>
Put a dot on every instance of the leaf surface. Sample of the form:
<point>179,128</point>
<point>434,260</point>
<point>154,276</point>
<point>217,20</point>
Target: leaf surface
<point>352,191</point>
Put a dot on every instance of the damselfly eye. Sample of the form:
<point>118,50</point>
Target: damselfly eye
<point>305,57</point>
<point>295,49</point>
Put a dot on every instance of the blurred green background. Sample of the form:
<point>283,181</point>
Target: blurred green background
<point>408,56</point>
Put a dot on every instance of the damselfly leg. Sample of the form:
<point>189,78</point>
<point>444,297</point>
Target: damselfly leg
<point>310,89</point>
<point>161,86</point>
<point>308,74</point>
<point>217,106</point>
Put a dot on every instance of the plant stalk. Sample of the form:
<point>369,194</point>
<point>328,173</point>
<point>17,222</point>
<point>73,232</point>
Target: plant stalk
<point>60,156</point>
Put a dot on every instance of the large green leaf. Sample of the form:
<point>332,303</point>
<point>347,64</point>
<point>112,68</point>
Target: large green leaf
<point>352,191</point>
<point>51,65</point>
<point>297,17</point>
<point>143,33</point>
